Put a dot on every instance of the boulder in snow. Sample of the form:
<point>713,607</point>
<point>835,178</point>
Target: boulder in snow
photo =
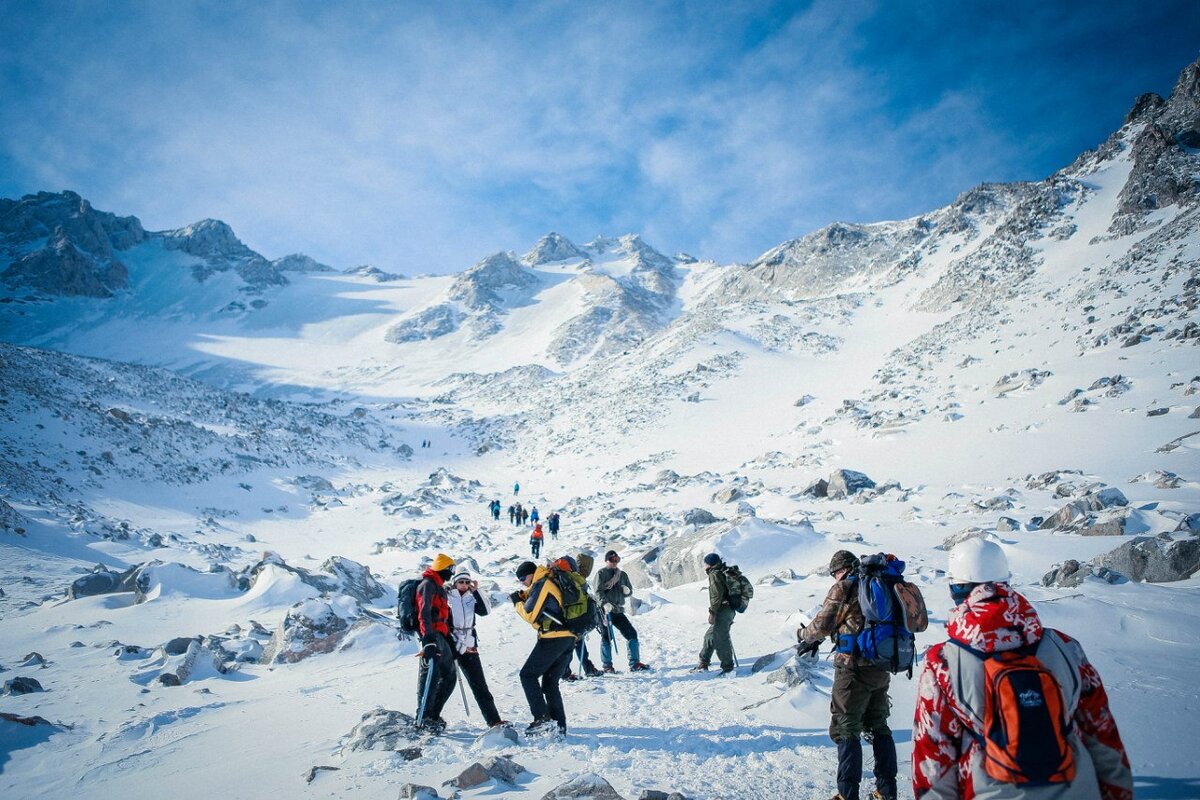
<point>1158,559</point>
<point>589,786</point>
<point>818,488</point>
<point>845,482</point>
<point>21,685</point>
<point>380,729</point>
<point>318,625</point>
<point>498,768</point>
<point>728,495</point>
<point>1072,573</point>
<point>415,791</point>
<point>698,517</point>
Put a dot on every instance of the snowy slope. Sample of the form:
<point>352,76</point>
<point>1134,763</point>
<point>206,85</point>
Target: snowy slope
<point>219,434</point>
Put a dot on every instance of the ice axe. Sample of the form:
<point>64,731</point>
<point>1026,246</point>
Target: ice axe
<point>462,676</point>
<point>425,694</point>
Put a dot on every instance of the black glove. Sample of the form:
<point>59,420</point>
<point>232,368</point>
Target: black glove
<point>807,648</point>
<point>515,597</point>
<point>429,647</point>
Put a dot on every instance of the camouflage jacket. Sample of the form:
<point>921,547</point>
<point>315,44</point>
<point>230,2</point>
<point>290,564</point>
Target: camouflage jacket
<point>718,596</point>
<point>840,613</point>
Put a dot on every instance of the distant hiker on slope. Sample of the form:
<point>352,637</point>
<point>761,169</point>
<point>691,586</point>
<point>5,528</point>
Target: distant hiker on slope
<point>612,587</point>
<point>437,651</point>
<point>1007,708</point>
<point>534,516</point>
<point>524,515</point>
<point>720,618</point>
<point>535,540</point>
<point>541,605</point>
<point>552,522</point>
<point>516,489</point>
<point>465,603</point>
<point>859,700</point>
<point>495,509</point>
<point>512,514</point>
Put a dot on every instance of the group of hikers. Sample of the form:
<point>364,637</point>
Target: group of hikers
<point>1006,708</point>
<point>520,516</point>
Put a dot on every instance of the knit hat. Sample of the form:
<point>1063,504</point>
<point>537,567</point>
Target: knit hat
<point>711,560</point>
<point>842,559</point>
<point>441,562</point>
<point>525,568</point>
<point>461,575</point>
<point>610,555</point>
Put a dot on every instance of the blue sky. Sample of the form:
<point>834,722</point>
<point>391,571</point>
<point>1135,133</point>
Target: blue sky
<point>421,137</point>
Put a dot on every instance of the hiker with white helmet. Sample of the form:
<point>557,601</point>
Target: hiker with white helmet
<point>466,602</point>
<point>1008,708</point>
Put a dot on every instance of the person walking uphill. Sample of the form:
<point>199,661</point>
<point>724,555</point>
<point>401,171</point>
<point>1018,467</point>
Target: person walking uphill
<point>541,605</point>
<point>720,618</point>
<point>859,703</point>
<point>535,540</point>
<point>612,587</point>
<point>465,604</point>
<point>553,522</point>
<point>437,651</point>
<point>1001,669</point>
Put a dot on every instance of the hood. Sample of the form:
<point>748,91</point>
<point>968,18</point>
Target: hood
<point>994,619</point>
<point>433,576</point>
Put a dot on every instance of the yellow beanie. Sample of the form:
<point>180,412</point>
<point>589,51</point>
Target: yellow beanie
<point>442,562</point>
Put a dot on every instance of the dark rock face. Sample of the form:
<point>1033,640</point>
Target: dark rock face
<point>102,581</point>
<point>21,685</point>
<point>1158,559</point>
<point>818,488</point>
<point>58,244</point>
<point>845,482</point>
<point>214,242</point>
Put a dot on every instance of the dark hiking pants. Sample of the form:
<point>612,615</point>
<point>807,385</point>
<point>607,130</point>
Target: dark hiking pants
<point>541,674</point>
<point>860,707</point>
<point>718,638</point>
<point>622,624</point>
<point>472,669</point>
<point>443,678</point>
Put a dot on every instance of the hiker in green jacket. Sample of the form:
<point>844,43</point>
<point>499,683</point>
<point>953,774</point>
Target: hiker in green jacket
<point>720,618</point>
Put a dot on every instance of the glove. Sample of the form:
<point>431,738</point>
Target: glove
<point>429,647</point>
<point>607,608</point>
<point>712,618</point>
<point>808,648</point>
<point>515,598</point>
<point>800,635</point>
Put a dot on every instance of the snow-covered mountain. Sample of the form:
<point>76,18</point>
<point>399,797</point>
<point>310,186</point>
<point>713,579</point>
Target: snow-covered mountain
<point>237,441</point>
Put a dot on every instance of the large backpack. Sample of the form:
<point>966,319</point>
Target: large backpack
<point>406,606</point>
<point>1025,726</point>
<point>893,610</point>
<point>581,612</point>
<point>738,589</point>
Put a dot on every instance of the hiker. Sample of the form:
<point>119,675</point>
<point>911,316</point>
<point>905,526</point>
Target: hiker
<point>466,603</point>
<point>516,489</point>
<point>859,697</point>
<point>512,514</point>
<point>437,651</point>
<point>955,753</point>
<point>524,515</point>
<point>553,521</point>
<point>584,563</point>
<point>535,540</point>
<point>495,508</point>
<point>612,587</point>
<point>534,516</point>
<point>720,618</point>
<point>541,605</point>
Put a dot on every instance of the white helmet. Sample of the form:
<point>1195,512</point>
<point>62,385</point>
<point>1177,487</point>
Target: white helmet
<point>978,560</point>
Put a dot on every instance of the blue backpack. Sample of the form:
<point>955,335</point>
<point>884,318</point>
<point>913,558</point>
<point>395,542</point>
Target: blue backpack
<point>893,611</point>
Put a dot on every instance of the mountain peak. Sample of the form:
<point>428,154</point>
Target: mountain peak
<point>551,248</point>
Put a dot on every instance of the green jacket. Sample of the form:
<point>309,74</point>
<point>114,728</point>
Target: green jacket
<point>718,597</point>
<point>615,596</point>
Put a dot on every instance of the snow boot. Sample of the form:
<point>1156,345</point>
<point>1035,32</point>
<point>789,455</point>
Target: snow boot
<point>545,727</point>
<point>591,671</point>
<point>639,667</point>
<point>433,725</point>
<point>609,669</point>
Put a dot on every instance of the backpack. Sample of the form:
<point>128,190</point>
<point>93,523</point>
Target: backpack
<point>1025,726</point>
<point>738,589</point>
<point>893,610</point>
<point>581,612</point>
<point>406,606</point>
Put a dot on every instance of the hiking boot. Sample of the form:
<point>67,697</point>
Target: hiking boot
<point>699,668</point>
<point>434,725</point>
<point>638,667</point>
<point>878,795</point>
<point>727,671</point>
<point>591,671</point>
<point>544,727</point>
<point>570,676</point>
<point>609,669</point>
<point>500,724</point>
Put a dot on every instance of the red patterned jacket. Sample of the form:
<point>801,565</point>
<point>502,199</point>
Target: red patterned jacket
<point>947,761</point>
<point>433,612</point>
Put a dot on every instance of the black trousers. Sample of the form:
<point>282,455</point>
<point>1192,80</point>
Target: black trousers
<point>859,703</point>
<point>472,669</point>
<point>443,678</point>
<point>540,676</point>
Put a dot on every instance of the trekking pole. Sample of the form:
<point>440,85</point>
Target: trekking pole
<point>612,639</point>
<point>736,665</point>
<point>462,676</point>
<point>425,694</point>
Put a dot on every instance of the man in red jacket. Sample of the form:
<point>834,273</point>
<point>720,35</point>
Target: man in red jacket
<point>1063,718</point>
<point>437,649</point>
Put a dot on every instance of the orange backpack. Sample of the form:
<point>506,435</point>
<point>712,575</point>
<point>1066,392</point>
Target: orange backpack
<point>1025,725</point>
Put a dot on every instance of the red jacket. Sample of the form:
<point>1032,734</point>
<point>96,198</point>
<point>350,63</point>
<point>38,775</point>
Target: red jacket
<point>947,760</point>
<point>433,611</point>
